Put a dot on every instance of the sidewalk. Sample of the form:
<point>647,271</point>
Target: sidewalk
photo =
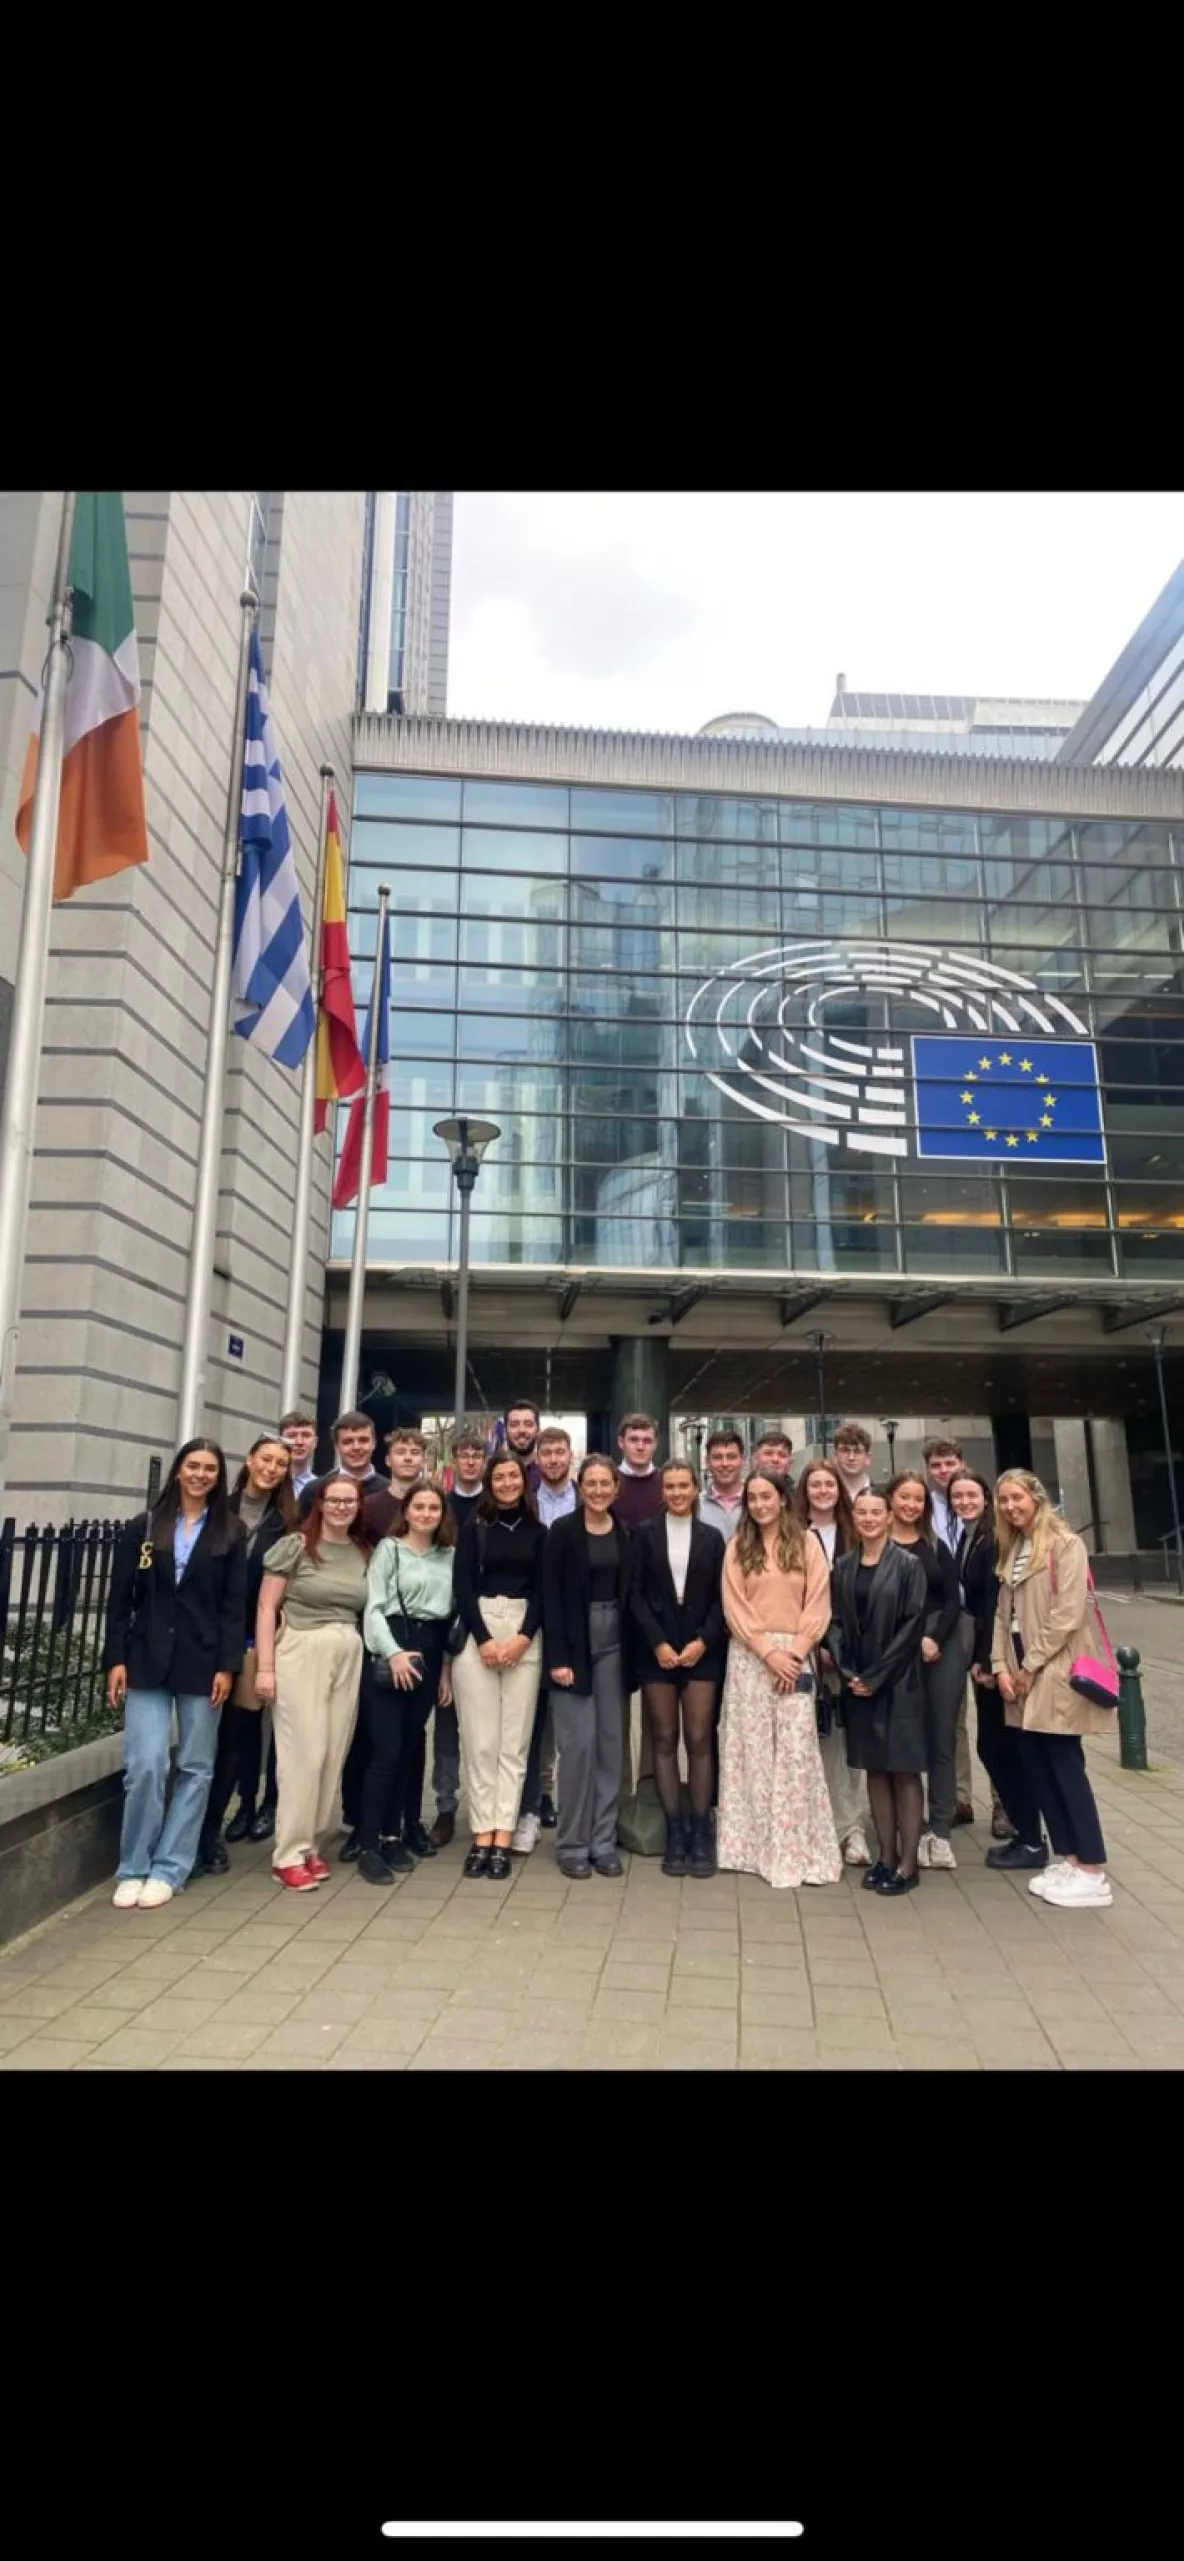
<point>438,1973</point>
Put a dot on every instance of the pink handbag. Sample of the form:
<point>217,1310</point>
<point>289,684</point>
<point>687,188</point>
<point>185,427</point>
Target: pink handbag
<point>1091,1679</point>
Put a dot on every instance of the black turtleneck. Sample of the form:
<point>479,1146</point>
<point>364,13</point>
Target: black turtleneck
<point>500,1559</point>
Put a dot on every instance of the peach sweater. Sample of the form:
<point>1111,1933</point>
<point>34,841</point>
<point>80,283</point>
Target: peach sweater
<point>760,1607</point>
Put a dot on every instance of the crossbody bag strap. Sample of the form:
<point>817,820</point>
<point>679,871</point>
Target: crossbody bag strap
<point>1103,1630</point>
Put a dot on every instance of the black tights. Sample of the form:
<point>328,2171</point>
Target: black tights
<point>896,1802</point>
<point>662,1702</point>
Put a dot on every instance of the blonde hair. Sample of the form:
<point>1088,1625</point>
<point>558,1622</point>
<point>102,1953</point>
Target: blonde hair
<point>1048,1529</point>
<point>749,1541</point>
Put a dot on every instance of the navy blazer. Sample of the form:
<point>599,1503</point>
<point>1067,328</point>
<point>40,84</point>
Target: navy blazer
<point>176,1636</point>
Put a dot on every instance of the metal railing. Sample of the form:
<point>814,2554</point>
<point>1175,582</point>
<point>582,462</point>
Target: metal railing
<point>53,1607</point>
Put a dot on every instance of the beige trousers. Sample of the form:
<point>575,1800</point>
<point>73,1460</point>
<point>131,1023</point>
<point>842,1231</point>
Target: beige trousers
<point>496,1713</point>
<point>317,1672</point>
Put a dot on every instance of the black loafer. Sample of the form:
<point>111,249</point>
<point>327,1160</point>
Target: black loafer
<point>575,1867</point>
<point>262,1825</point>
<point>873,1877</point>
<point>374,1869</point>
<point>240,1827</point>
<point>351,1850</point>
<point>500,1864</point>
<point>396,1856</point>
<point>898,1884</point>
<point>548,1817</point>
<point>477,1862</point>
<point>419,1841</point>
<point>211,1862</point>
<point>608,1864</point>
<point>1016,1854</point>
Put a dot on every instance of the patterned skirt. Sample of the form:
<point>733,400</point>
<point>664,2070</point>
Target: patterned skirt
<point>774,1807</point>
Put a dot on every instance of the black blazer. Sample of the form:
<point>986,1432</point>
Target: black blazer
<point>175,1636</point>
<point>887,1653</point>
<point>980,1583</point>
<point>567,1599</point>
<point>661,1618</point>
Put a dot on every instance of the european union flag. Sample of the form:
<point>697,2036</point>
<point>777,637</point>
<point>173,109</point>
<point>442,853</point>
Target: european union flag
<point>1021,1100</point>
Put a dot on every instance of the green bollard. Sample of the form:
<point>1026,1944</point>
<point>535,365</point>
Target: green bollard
<point>1132,1715</point>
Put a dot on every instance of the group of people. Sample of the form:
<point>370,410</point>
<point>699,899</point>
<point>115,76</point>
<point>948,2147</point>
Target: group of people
<point>809,1650</point>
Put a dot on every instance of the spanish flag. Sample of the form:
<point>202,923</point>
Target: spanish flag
<point>101,824</point>
<point>341,1068</point>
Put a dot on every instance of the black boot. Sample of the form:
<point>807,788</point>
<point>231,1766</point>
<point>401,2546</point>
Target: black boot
<point>238,1828</point>
<point>675,1861</point>
<point>262,1825</point>
<point>702,1847</point>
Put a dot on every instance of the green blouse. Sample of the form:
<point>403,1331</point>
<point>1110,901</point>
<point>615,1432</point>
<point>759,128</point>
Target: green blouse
<point>328,1591</point>
<point>398,1579</point>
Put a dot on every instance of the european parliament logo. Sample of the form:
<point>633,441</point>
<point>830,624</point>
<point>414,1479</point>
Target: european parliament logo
<point>812,1037</point>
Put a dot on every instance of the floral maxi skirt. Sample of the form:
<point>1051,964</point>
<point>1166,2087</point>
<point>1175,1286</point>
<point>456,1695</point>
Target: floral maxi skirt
<point>774,1806</point>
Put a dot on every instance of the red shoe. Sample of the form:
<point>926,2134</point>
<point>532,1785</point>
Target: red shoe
<point>316,1868</point>
<point>301,1879</point>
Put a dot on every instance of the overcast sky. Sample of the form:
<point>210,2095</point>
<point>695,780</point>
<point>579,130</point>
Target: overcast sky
<point>653,611</point>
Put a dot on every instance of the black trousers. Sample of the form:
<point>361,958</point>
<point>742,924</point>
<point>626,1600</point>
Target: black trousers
<point>353,1776</point>
<point>392,1790</point>
<point>237,1763</point>
<point>999,1752</point>
<point>1055,1764</point>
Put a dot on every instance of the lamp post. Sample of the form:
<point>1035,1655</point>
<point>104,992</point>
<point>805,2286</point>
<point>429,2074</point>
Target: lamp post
<point>1157,1336</point>
<point>466,1142</point>
<point>891,1429</point>
<point>820,1342</point>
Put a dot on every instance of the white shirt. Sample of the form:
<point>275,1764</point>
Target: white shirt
<point>826,1532</point>
<point>555,1501</point>
<point>678,1549</point>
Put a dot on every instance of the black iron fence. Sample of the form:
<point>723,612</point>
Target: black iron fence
<point>53,1608</point>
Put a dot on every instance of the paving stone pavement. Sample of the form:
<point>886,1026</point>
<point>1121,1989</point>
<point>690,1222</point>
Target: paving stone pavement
<point>439,1973</point>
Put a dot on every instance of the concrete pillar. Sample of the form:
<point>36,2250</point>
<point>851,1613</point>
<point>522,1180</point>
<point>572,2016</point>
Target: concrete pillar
<point>1112,1482</point>
<point>641,1380</point>
<point>1073,1478</point>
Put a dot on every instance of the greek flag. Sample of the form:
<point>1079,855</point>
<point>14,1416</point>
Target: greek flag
<point>270,983</point>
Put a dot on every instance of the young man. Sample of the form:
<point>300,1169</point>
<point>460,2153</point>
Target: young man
<point>468,1468</point>
<point>722,1498</point>
<point>521,1426</point>
<point>556,1496</point>
<point>301,1438</point>
<point>639,1495</point>
<point>774,1451</point>
<point>943,1458</point>
<point>853,1458</point>
<point>407,1461</point>
<point>354,1437</point>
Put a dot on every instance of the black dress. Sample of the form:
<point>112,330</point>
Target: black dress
<point>875,1635</point>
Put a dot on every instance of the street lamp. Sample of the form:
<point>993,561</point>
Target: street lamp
<point>466,1142</point>
<point>1157,1336</point>
<point>820,1342</point>
<point>891,1428</point>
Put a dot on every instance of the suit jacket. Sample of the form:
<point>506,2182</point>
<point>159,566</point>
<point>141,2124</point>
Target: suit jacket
<point>661,1618</point>
<point>981,1586</point>
<point>567,1599</point>
<point>887,1653</point>
<point>175,1636</point>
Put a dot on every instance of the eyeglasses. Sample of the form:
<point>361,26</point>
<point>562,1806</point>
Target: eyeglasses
<point>337,1503</point>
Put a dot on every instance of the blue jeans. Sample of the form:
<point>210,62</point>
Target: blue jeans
<point>151,1843</point>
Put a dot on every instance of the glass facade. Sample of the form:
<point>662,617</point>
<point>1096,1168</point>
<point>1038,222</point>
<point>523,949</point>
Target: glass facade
<point>554,946</point>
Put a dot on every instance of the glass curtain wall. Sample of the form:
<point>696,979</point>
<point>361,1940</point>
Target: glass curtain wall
<point>552,945</point>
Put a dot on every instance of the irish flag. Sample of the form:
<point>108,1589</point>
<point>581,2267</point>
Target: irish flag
<point>341,1068</point>
<point>101,825</point>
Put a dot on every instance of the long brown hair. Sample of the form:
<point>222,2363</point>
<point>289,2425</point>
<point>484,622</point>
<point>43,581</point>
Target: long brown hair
<point>280,1498</point>
<point>846,1534</point>
<point>913,1476</point>
<point>314,1521</point>
<point>444,1533</point>
<point>486,1507</point>
<point>749,1541</point>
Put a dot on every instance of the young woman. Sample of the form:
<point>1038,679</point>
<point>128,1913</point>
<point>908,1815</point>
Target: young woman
<point>943,1661</point>
<point>499,1596</point>
<point>1013,1807</point>
<point>174,1639</point>
<point>774,1812</point>
<point>679,1611</point>
<point>408,1611</point>
<point>310,1677</point>
<point>880,1599</point>
<point>264,1499</point>
<point>1043,1620</point>
<point>823,1505</point>
<point>588,1571</point>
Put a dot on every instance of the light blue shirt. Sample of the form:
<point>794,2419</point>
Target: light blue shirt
<point>185,1537</point>
<point>554,1502</point>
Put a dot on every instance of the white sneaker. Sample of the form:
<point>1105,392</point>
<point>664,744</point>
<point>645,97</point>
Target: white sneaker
<point>1039,1884</point>
<point>940,1852</point>
<point>924,1849</point>
<point>526,1837</point>
<point>1073,1889</point>
<point>154,1893</point>
<point>127,1893</point>
<point>855,1849</point>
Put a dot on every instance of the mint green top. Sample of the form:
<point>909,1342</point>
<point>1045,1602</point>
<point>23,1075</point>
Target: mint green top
<point>329,1591</point>
<point>400,1580</point>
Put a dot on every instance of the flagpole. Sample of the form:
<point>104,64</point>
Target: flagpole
<point>357,1275</point>
<point>302,1206</point>
<point>195,1351</point>
<point>18,1112</point>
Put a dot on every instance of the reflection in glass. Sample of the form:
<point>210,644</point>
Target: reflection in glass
<point>405,796</point>
<point>515,804</point>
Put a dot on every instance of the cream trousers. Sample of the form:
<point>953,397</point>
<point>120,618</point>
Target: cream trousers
<point>496,1712</point>
<point>317,1672</point>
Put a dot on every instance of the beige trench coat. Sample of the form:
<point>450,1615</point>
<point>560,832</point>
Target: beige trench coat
<point>1053,1631</point>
